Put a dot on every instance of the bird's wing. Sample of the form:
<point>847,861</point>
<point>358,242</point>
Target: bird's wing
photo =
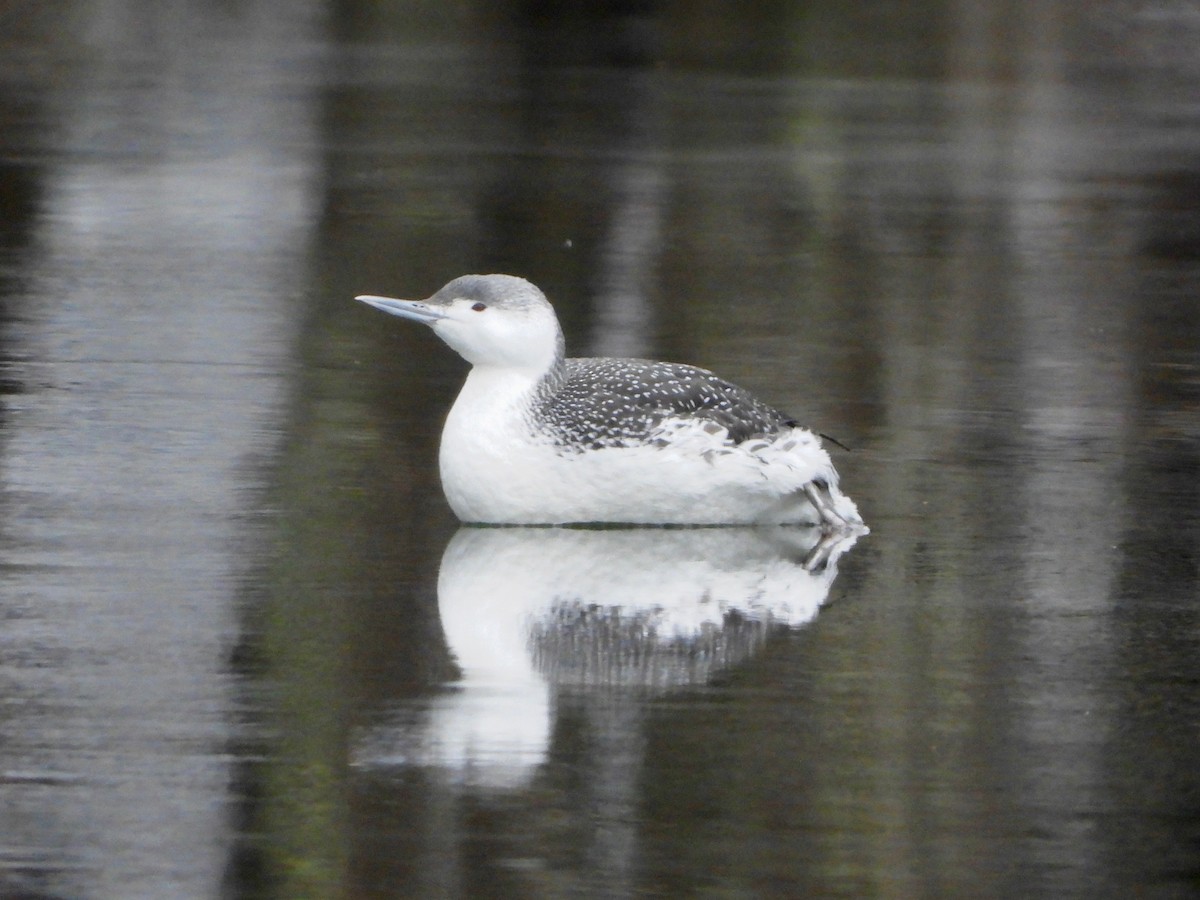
<point>624,402</point>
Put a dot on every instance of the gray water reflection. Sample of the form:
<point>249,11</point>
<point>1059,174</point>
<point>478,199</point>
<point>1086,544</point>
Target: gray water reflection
<point>529,611</point>
<point>148,332</point>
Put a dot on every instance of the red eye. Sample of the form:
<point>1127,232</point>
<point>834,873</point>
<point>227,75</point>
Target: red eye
<point>479,307</point>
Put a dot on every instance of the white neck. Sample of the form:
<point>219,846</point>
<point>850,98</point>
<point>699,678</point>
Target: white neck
<point>493,397</point>
<point>487,428</point>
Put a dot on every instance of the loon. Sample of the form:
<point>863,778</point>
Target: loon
<point>535,438</point>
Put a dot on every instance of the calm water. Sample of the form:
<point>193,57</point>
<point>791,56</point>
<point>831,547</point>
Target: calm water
<point>245,650</point>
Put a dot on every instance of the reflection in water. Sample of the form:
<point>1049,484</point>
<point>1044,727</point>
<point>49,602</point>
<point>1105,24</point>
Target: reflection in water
<point>526,611</point>
<point>147,275</point>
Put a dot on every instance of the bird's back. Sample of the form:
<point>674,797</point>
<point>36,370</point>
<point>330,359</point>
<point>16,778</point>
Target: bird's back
<point>594,403</point>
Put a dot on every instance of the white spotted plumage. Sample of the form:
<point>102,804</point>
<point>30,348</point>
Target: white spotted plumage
<point>535,438</point>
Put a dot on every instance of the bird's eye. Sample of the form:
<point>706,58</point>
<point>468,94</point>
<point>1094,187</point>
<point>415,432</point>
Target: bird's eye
<point>479,307</point>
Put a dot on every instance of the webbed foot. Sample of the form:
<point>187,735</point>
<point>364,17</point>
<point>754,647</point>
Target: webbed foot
<point>819,496</point>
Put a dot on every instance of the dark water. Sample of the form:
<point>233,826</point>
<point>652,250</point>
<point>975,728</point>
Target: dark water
<point>246,652</point>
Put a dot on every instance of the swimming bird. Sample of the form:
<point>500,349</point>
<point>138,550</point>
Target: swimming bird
<point>535,438</point>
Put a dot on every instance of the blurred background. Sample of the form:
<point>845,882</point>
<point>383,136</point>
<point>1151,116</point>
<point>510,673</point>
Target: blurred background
<point>961,237</point>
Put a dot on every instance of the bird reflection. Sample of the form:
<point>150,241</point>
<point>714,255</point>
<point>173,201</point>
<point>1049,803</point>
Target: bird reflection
<point>528,611</point>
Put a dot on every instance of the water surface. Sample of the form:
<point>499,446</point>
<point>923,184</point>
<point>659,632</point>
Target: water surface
<point>248,652</point>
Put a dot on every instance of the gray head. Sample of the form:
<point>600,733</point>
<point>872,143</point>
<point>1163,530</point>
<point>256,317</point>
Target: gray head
<point>491,320</point>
